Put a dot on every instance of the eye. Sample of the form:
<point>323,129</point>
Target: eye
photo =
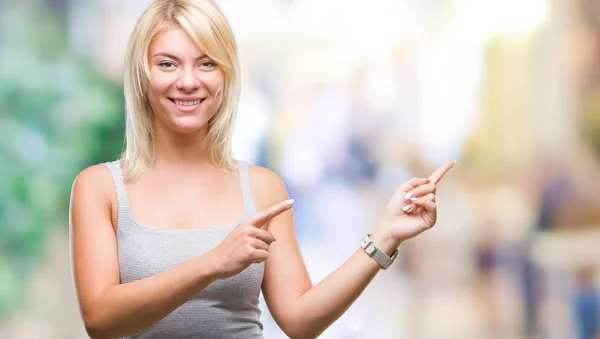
<point>208,65</point>
<point>166,64</point>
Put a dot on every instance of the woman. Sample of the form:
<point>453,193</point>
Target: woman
<point>167,242</point>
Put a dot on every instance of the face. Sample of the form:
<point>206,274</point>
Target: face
<point>185,87</point>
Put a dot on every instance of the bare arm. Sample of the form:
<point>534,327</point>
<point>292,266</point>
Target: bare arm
<point>299,308</point>
<point>305,311</point>
<point>319,307</point>
<point>110,309</point>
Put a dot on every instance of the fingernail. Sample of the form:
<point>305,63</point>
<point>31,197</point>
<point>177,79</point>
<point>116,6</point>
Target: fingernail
<point>408,196</point>
<point>289,202</point>
<point>414,199</point>
<point>406,208</point>
<point>426,179</point>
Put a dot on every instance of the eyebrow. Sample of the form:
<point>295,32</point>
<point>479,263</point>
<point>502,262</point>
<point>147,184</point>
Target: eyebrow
<point>167,55</point>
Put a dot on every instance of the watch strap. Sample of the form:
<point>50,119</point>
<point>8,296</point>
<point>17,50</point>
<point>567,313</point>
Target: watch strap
<point>378,255</point>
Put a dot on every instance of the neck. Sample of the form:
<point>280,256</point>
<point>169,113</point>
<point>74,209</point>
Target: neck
<point>180,149</point>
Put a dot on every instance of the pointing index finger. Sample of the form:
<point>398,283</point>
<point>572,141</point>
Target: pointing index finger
<point>439,173</point>
<point>264,216</point>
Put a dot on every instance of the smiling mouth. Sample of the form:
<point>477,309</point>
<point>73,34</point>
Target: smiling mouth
<point>186,103</point>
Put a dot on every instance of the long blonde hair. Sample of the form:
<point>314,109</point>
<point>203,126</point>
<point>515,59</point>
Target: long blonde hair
<point>206,25</point>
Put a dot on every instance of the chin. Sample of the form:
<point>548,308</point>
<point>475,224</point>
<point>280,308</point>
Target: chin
<point>189,124</point>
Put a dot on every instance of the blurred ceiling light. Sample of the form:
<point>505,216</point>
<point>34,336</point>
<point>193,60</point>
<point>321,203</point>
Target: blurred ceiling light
<point>257,19</point>
<point>500,17</point>
<point>373,29</point>
<point>376,29</point>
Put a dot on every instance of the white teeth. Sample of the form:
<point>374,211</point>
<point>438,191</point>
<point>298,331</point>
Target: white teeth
<point>187,103</point>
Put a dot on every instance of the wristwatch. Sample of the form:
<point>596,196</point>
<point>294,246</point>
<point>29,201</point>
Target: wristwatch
<point>378,255</point>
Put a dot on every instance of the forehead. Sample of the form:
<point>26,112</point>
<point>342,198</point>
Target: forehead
<point>174,41</point>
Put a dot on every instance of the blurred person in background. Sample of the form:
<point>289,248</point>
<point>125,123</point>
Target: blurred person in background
<point>154,250</point>
<point>586,305</point>
<point>553,190</point>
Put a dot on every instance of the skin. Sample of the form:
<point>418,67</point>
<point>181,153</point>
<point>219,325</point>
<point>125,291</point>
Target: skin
<point>303,310</point>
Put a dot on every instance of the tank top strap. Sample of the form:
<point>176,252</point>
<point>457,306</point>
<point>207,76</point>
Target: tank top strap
<point>249,206</point>
<point>123,211</point>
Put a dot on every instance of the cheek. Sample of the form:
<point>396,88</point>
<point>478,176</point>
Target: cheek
<point>215,82</point>
<point>160,83</point>
<point>156,90</point>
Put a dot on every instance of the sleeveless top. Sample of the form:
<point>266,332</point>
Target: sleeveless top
<point>227,308</point>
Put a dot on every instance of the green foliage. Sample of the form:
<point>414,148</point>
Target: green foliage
<point>58,114</point>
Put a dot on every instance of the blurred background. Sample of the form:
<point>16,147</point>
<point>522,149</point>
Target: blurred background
<point>345,100</point>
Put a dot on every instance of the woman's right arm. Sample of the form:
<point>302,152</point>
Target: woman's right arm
<point>110,309</point>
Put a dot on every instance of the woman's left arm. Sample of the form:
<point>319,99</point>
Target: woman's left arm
<point>305,311</point>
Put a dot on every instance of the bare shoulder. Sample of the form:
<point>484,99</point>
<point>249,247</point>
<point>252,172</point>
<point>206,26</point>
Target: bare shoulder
<point>95,178</point>
<point>263,175</point>
<point>93,185</point>
<point>267,186</point>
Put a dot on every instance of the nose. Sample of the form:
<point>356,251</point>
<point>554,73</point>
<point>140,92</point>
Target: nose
<point>188,80</point>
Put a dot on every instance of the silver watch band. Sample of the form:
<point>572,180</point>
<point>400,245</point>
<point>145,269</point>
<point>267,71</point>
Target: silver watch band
<point>379,256</point>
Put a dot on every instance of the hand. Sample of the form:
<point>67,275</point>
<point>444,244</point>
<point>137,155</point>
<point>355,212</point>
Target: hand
<point>411,210</point>
<point>248,243</point>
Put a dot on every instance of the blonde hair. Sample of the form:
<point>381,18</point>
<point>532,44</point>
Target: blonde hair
<point>206,25</point>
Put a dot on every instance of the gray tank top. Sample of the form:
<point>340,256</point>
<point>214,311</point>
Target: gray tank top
<point>226,308</point>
